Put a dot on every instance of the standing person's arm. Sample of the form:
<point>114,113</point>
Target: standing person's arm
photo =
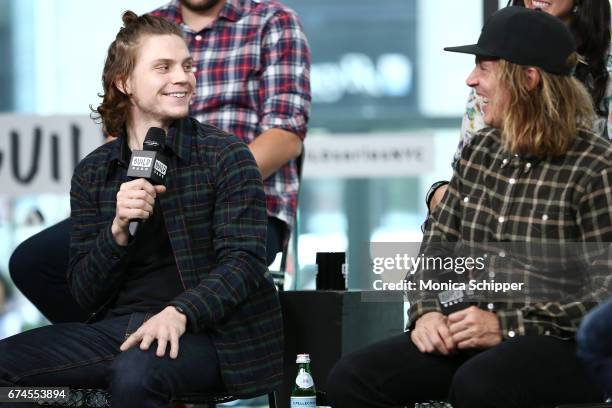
<point>284,93</point>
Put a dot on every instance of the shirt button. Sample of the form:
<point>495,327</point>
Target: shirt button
<point>198,37</point>
<point>491,274</point>
<point>545,217</point>
<point>511,333</point>
<point>512,181</point>
<point>490,306</point>
<point>466,199</point>
<point>501,219</point>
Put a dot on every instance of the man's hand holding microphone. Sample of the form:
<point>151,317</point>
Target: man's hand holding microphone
<point>136,197</point>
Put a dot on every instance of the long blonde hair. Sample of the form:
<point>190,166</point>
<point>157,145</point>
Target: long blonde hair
<point>543,120</point>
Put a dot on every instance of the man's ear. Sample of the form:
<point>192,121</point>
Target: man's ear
<point>533,77</point>
<point>124,86</point>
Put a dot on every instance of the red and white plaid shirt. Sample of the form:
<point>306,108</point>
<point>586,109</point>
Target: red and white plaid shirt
<point>253,74</point>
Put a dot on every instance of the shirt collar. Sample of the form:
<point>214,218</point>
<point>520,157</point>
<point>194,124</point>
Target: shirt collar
<point>178,142</point>
<point>118,156</point>
<point>232,10</point>
<point>178,139</point>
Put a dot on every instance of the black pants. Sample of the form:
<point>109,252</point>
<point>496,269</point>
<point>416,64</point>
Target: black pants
<point>83,355</point>
<point>39,265</point>
<point>535,371</point>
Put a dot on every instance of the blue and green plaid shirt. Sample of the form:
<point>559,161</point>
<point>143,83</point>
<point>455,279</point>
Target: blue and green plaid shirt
<point>215,214</point>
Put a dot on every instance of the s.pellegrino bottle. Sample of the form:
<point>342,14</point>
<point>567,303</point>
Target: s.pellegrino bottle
<point>303,394</point>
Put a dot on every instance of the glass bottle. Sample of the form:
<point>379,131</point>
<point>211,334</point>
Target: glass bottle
<point>303,394</point>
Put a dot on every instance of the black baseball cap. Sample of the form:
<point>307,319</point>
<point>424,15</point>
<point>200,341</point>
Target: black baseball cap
<point>525,37</point>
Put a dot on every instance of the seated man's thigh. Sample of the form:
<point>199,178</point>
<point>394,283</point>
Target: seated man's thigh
<point>521,372</point>
<point>69,354</point>
<point>195,370</point>
<point>389,373</point>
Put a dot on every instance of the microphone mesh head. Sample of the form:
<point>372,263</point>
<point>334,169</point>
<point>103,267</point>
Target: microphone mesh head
<point>155,139</point>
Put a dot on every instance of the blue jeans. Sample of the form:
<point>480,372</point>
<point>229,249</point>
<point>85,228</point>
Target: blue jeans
<point>594,340</point>
<point>80,355</point>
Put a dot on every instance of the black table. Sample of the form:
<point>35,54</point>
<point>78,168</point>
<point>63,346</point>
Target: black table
<point>329,324</point>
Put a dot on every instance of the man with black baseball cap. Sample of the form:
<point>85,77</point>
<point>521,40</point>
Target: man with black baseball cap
<point>525,37</point>
<point>536,176</point>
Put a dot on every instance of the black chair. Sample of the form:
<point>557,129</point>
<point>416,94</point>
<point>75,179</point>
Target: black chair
<point>99,398</point>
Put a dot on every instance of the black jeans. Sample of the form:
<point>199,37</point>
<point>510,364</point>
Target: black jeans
<point>524,372</point>
<point>39,265</point>
<point>82,355</point>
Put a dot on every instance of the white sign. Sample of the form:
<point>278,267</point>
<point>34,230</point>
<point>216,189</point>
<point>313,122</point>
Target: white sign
<point>369,156</point>
<point>144,162</point>
<point>161,168</point>
<point>38,153</point>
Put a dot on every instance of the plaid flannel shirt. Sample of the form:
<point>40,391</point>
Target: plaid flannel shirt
<point>252,74</point>
<point>214,212</point>
<point>496,197</point>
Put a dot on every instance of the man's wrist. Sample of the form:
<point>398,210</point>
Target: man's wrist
<point>181,312</point>
<point>120,235</point>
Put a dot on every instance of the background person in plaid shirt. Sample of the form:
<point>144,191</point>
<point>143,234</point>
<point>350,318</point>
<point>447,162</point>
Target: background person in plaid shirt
<point>537,175</point>
<point>252,65</point>
<point>187,304</point>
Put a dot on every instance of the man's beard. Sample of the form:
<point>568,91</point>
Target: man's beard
<point>199,6</point>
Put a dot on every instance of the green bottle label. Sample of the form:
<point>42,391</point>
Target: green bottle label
<point>303,402</point>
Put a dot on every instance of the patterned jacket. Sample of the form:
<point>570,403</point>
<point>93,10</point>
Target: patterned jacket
<point>215,214</point>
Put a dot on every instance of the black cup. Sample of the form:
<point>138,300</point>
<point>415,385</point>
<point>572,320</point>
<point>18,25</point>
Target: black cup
<point>331,271</point>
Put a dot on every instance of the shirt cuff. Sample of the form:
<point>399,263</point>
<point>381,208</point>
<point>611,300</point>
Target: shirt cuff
<point>295,124</point>
<point>511,323</point>
<point>108,247</point>
<point>420,308</point>
<point>189,310</point>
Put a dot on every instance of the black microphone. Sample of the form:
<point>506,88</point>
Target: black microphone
<point>149,163</point>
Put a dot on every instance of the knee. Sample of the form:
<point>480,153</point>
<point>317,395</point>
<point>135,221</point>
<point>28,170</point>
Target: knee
<point>474,385</point>
<point>595,331</point>
<point>19,264</point>
<point>343,380</point>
